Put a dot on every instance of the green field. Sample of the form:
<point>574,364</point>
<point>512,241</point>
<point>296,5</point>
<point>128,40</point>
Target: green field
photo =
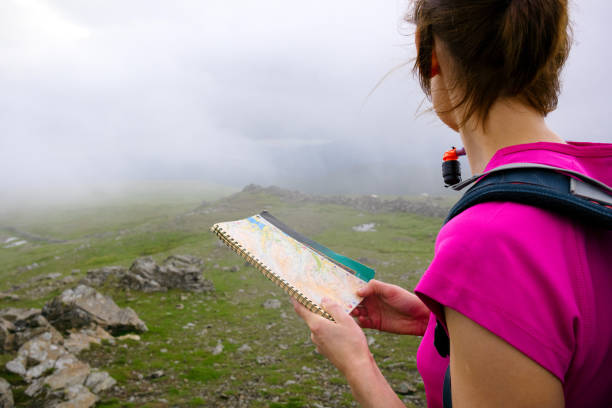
<point>279,368</point>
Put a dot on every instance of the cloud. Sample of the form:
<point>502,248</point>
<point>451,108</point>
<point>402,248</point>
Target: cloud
<point>272,91</point>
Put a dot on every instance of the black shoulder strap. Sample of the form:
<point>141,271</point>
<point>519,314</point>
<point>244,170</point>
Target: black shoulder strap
<point>578,197</point>
<point>586,202</point>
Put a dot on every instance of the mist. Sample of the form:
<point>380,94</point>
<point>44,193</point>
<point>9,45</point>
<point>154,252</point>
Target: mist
<point>111,93</point>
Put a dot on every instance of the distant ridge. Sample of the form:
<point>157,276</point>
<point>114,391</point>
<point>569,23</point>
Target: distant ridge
<point>423,205</point>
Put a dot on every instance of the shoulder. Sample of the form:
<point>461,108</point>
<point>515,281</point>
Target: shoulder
<point>497,263</point>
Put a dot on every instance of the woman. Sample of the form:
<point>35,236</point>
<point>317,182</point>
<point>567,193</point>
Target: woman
<point>524,294</point>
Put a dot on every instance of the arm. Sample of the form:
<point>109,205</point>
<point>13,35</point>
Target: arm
<point>344,344</point>
<point>486,371</point>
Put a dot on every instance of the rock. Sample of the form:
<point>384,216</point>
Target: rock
<point>6,395</point>
<point>27,324</point>
<point>271,304</point>
<point>80,340</point>
<point>235,268</point>
<point>78,396</point>
<point>369,227</point>
<point>184,272</point>
<point>98,277</point>
<point>404,388</point>
<point>156,374</point>
<point>35,388</point>
<point>7,335</point>
<point>83,306</point>
<point>17,366</point>
<point>8,296</point>
<point>218,348</point>
<point>130,336</point>
<point>99,381</point>
<point>176,272</point>
<point>141,275</point>
<point>371,340</point>
<point>36,357</point>
<point>245,348</point>
<point>68,371</point>
<point>14,314</point>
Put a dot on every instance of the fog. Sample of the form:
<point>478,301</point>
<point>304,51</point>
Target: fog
<point>108,92</point>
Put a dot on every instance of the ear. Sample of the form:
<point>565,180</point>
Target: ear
<point>435,65</point>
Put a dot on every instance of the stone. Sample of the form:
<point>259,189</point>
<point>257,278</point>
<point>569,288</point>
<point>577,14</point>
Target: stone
<point>271,304</point>
<point>218,348</point>
<point>68,371</point>
<point>8,296</point>
<point>36,357</point>
<point>184,272</point>
<point>78,396</point>
<point>14,314</point>
<point>35,388</point>
<point>7,335</point>
<point>99,381</point>
<point>245,348</point>
<point>405,388</point>
<point>78,341</point>
<point>98,277</point>
<point>130,336</point>
<point>6,395</point>
<point>84,306</point>
<point>29,324</point>
<point>156,374</point>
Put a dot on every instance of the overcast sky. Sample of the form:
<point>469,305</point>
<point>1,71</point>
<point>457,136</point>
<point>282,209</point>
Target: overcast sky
<point>232,92</point>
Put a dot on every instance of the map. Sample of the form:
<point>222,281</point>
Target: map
<point>311,273</point>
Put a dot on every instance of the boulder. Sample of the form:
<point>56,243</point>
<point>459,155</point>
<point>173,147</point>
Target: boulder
<point>84,306</point>
<point>99,381</point>
<point>78,396</point>
<point>7,335</point>
<point>26,324</point>
<point>36,357</point>
<point>6,395</point>
<point>98,277</point>
<point>35,388</point>
<point>80,340</point>
<point>68,371</point>
<point>184,272</point>
<point>142,276</point>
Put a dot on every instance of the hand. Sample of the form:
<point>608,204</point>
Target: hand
<point>342,341</point>
<point>392,309</point>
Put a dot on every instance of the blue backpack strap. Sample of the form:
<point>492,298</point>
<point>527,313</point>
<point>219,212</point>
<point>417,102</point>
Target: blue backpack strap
<point>580,198</point>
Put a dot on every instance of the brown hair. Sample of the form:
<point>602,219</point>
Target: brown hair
<point>499,48</point>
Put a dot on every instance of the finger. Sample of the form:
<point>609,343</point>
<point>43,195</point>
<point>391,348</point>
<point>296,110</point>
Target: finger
<point>309,317</point>
<point>373,287</point>
<point>365,322</point>
<point>335,310</point>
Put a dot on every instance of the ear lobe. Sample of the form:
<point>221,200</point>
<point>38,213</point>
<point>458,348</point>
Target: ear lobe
<point>435,65</point>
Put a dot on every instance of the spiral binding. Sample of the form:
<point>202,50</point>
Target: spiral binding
<point>267,272</point>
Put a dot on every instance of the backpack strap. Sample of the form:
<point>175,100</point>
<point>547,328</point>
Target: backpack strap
<point>584,199</point>
<point>555,189</point>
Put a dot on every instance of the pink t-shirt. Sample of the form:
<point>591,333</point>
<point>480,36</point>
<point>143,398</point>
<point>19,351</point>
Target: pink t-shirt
<point>538,280</point>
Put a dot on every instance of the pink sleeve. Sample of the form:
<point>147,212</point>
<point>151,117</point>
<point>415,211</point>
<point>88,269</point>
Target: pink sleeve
<point>506,267</point>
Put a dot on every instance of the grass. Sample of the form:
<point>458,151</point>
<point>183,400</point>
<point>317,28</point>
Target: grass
<point>281,369</point>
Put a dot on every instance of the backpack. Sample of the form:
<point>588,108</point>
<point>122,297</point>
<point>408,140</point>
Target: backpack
<point>555,189</point>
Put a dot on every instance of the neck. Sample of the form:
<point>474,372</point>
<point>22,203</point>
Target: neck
<point>509,123</point>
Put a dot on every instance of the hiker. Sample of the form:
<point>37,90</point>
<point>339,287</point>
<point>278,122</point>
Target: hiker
<point>523,293</point>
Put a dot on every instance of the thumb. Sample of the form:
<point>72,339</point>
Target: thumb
<point>335,310</point>
<point>372,287</point>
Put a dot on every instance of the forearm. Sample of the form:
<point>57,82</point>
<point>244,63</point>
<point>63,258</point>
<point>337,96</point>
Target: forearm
<point>369,386</point>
